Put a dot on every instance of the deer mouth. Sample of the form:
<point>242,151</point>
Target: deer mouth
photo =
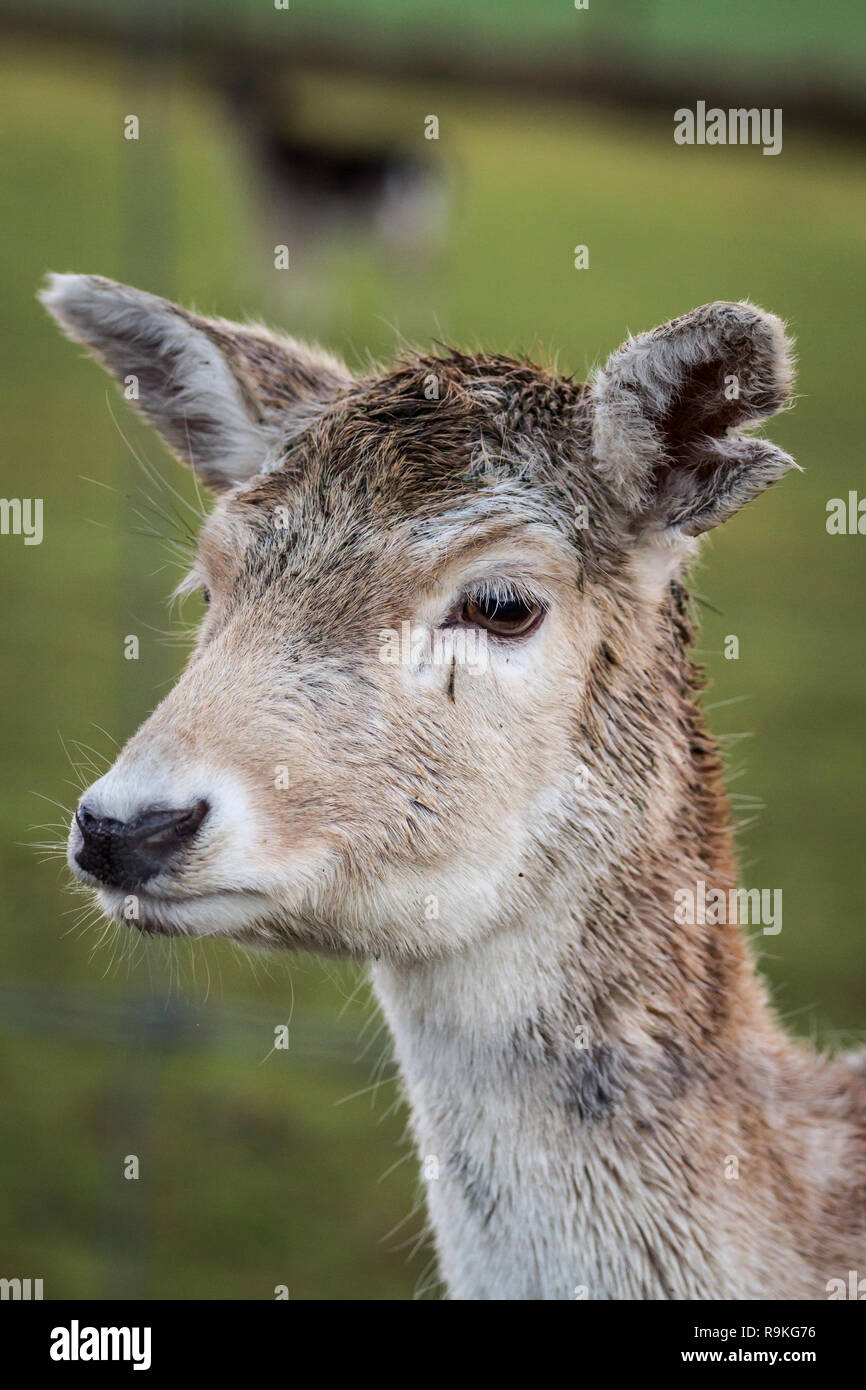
<point>223,912</point>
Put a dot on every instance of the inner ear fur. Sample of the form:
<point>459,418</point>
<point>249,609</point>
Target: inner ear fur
<point>670,406</point>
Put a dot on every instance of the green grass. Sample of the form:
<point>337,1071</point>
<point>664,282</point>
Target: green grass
<point>251,1174</point>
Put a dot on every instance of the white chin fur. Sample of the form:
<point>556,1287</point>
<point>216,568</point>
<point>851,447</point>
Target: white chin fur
<point>207,914</point>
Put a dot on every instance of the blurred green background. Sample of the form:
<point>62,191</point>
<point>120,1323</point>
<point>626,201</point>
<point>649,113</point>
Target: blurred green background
<point>258,1167</point>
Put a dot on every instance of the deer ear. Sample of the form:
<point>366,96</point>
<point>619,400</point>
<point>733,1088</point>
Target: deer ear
<point>668,410</point>
<point>222,395</point>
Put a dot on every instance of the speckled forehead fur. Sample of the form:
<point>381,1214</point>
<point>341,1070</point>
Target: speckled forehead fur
<point>503,445</point>
<point>410,454</point>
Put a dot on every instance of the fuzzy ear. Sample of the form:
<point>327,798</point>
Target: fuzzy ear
<point>668,408</point>
<point>221,394</point>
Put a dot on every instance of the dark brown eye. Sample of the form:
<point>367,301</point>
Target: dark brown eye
<point>508,615</point>
<point>205,593</point>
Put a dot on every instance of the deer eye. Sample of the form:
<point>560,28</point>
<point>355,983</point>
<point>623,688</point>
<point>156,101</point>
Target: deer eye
<point>205,593</point>
<point>504,615</point>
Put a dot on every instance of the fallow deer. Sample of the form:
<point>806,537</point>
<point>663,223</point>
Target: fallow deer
<point>604,1101</point>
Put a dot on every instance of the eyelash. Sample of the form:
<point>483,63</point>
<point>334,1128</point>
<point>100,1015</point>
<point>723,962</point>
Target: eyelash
<point>507,610</point>
<point>499,591</point>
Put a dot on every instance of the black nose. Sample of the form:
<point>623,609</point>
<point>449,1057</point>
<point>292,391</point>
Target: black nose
<point>125,854</point>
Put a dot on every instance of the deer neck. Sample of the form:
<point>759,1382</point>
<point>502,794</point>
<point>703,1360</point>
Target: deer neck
<point>554,1068</point>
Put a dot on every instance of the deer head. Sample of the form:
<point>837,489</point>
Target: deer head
<point>331,771</point>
